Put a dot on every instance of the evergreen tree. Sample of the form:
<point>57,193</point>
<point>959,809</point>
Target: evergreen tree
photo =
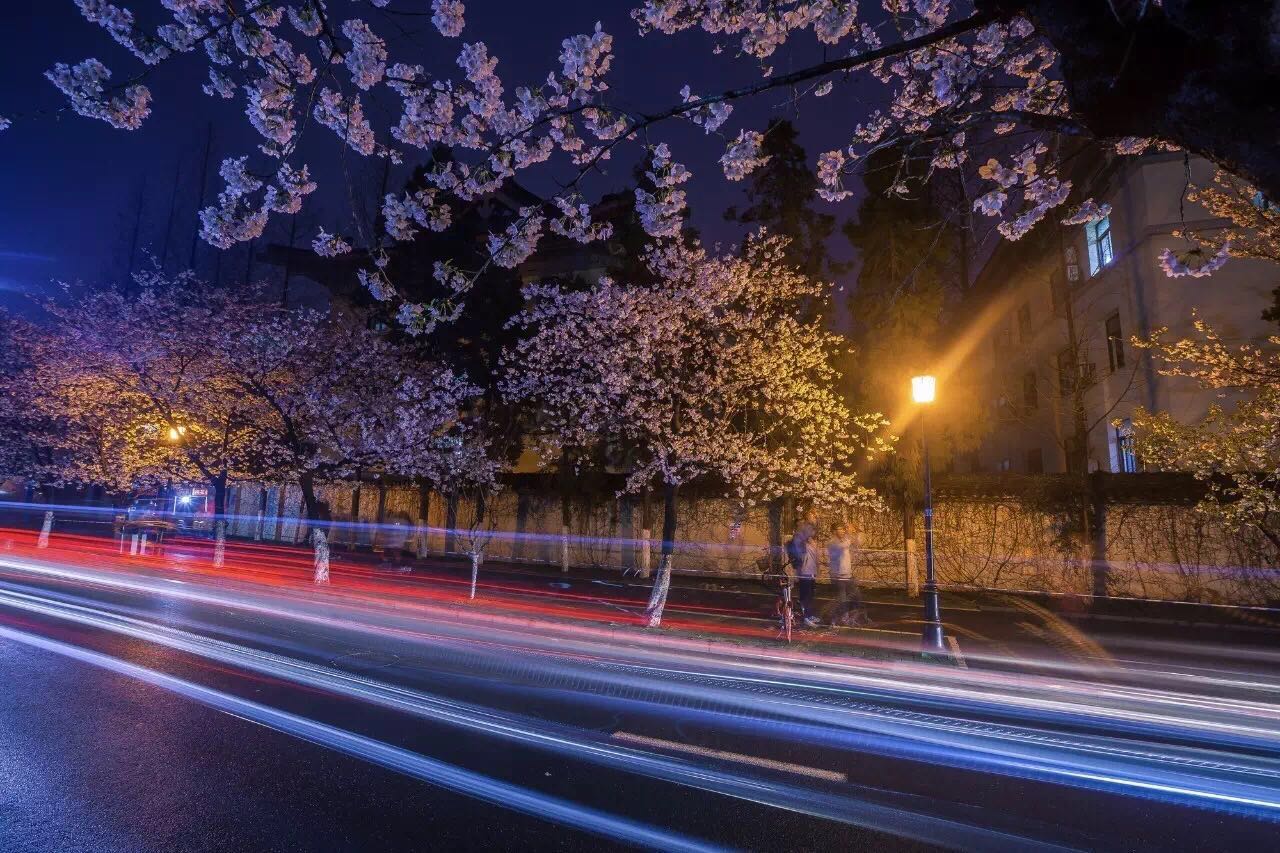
<point>912,272</point>
<point>781,196</point>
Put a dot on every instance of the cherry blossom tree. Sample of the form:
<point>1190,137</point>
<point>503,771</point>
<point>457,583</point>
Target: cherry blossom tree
<point>1007,80</point>
<point>707,374</point>
<point>34,446</point>
<point>1235,450</point>
<point>338,399</point>
<point>186,381</point>
<point>1252,230</point>
<point>146,397</point>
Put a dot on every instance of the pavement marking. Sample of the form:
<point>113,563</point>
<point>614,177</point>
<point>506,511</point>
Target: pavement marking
<point>800,769</point>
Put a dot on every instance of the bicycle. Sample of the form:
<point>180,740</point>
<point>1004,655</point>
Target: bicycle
<point>776,578</point>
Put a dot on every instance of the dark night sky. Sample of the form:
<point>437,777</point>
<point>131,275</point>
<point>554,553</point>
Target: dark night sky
<point>68,185</point>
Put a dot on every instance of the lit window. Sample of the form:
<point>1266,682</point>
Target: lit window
<point>1128,455</point>
<point>1098,236</point>
<point>1115,343</point>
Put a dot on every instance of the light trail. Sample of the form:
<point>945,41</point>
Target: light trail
<point>1153,733</point>
<point>870,727</point>
<point>383,754</point>
<point>845,807</point>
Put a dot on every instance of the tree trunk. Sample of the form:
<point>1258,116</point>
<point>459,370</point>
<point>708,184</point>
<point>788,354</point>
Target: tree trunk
<point>424,509</point>
<point>307,483</point>
<point>450,522</point>
<point>320,546</point>
<point>566,518</point>
<point>661,585</point>
<point>355,515</point>
<point>911,568</point>
<point>564,548</point>
<point>262,514</point>
<point>45,529</point>
<point>219,484</point>
<point>476,559</point>
<point>220,543</point>
<point>646,533</point>
<point>382,513</point>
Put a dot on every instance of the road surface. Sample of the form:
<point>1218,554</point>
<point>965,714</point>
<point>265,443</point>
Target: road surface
<point>169,708</point>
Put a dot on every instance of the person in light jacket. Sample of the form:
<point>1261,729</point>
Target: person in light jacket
<point>848,608</point>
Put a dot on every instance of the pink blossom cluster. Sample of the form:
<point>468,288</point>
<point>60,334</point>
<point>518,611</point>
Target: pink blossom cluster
<point>420,208</point>
<point>82,84</point>
<point>661,212</point>
<point>328,245</point>
<point>1194,262</point>
<point>743,155</point>
<point>575,222</point>
<point>447,15</point>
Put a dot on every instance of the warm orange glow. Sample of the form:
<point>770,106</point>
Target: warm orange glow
<point>923,388</point>
<point>174,434</point>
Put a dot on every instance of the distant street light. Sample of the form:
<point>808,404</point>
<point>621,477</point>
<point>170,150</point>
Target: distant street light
<point>923,391</point>
<point>177,432</point>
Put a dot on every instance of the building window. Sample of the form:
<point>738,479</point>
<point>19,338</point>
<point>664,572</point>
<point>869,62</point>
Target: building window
<point>1035,461</point>
<point>1098,236</point>
<point>1115,343</point>
<point>1024,322</point>
<point>1066,372</point>
<point>1125,448</point>
<point>1030,396</point>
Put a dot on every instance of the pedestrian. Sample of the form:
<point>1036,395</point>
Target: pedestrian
<point>840,550</point>
<point>803,553</point>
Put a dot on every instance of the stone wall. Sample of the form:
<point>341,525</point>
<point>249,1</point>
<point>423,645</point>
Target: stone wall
<point>1166,551</point>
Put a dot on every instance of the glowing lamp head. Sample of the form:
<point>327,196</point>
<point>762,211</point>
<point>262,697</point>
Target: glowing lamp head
<point>174,434</point>
<point>923,388</point>
<point>184,500</point>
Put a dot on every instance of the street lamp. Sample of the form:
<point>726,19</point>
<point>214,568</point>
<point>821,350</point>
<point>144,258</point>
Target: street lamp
<point>923,391</point>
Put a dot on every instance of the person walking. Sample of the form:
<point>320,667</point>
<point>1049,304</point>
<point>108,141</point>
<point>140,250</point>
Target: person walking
<point>802,551</point>
<point>848,601</point>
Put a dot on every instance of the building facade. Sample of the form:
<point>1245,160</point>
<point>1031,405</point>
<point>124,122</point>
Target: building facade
<point>1051,318</point>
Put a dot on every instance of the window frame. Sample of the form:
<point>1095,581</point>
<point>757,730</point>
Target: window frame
<point>1126,452</point>
<point>1098,239</point>
<point>1115,342</point>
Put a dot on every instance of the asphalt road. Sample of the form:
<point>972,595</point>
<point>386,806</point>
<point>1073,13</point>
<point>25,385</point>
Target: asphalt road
<point>162,712</point>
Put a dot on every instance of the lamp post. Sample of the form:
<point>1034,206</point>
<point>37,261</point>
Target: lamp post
<point>923,390</point>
